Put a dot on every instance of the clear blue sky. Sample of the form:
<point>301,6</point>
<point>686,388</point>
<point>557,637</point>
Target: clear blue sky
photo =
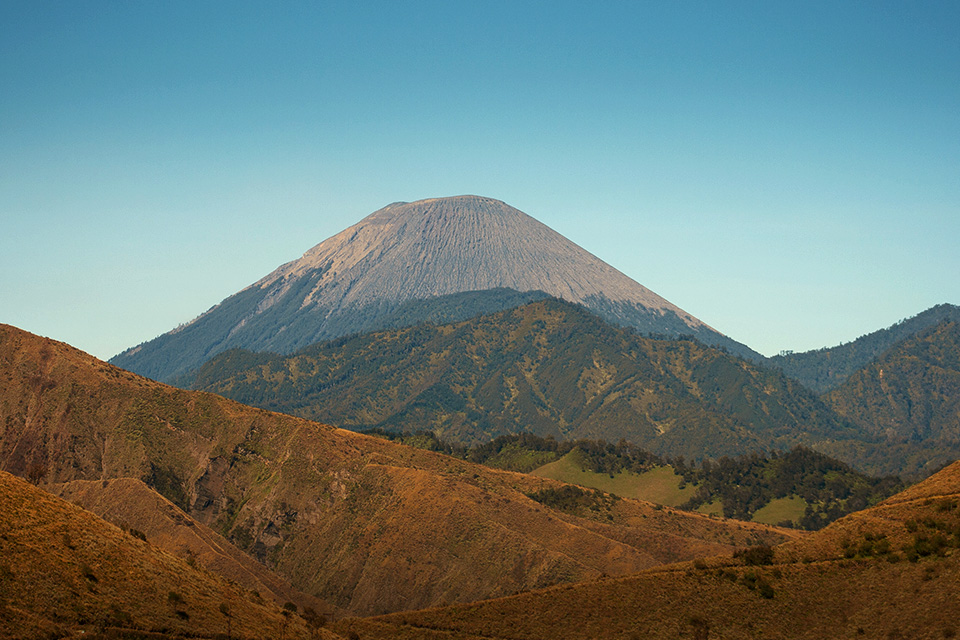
<point>789,172</point>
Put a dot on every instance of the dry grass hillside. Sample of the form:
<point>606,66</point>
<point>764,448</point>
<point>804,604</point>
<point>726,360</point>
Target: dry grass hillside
<point>132,505</point>
<point>891,571</point>
<point>367,525</point>
<point>66,572</point>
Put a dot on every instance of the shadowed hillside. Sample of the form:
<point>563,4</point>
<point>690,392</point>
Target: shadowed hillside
<point>825,369</point>
<point>888,572</point>
<point>64,572</point>
<point>364,524</point>
<point>910,396</point>
<point>132,505</point>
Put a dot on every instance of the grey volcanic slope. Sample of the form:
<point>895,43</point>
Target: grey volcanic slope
<point>405,252</point>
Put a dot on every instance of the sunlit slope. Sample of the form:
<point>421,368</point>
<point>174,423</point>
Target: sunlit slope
<point>364,524</point>
<point>889,571</point>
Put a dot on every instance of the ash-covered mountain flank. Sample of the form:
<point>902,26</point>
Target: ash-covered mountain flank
<point>396,266</point>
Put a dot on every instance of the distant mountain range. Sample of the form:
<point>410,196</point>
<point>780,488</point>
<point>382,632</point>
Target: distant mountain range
<point>550,368</point>
<point>465,319</point>
<point>826,369</point>
<point>910,396</point>
<point>361,278</point>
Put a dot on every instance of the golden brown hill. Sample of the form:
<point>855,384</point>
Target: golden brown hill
<point>365,524</point>
<point>891,571</point>
<point>132,505</point>
<point>67,572</point>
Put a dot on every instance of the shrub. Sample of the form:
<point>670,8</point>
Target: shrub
<point>764,588</point>
<point>87,573</point>
<point>755,556</point>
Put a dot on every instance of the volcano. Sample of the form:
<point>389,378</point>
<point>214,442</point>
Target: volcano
<point>470,254</point>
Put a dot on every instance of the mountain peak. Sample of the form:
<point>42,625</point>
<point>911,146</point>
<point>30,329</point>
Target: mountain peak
<point>441,246</point>
<point>413,251</point>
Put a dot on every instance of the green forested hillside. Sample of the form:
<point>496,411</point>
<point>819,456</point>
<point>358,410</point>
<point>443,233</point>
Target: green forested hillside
<point>174,357</point>
<point>549,368</point>
<point>911,397</point>
<point>825,369</point>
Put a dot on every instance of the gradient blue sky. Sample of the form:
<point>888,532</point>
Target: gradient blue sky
<point>789,172</point>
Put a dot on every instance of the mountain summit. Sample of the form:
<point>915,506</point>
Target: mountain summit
<point>413,253</point>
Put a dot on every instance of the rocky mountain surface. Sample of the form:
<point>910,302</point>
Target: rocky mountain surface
<point>411,252</point>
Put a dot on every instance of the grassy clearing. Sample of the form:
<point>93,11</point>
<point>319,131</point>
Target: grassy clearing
<point>780,510</point>
<point>660,485</point>
<point>714,507</point>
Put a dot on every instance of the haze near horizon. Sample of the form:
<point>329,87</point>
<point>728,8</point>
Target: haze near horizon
<point>787,174</point>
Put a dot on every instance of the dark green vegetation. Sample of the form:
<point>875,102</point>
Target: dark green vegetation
<point>910,396</point>
<point>825,369</point>
<point>574,499</point>
<point>285,327</point>
<point>549,368</point>
<point>744,485</point>
<point>525,451</point>
<point>740,486</point>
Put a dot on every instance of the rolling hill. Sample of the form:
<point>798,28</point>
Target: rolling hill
<point>132,505</point>
<point>800,487</point>
<point>360,279</point>
<point>364,524</point>
<point>887,572</point>
<point>824,369</point>
<point>67,573</point>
